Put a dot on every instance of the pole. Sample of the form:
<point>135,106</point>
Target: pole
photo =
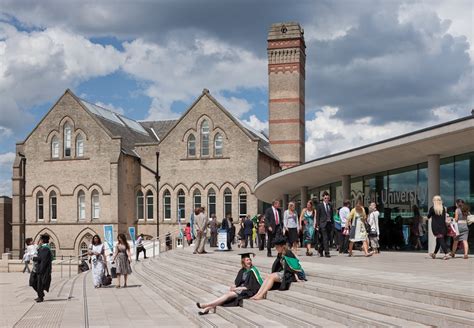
<point>157,177</point>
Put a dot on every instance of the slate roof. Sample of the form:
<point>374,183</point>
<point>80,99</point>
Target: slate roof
<point>156,130</point>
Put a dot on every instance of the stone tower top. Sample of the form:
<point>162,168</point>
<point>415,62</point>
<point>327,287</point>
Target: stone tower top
<point>286,91</point>
<point>289,30</point>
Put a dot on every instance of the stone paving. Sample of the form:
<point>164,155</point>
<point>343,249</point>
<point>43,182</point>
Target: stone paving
<point>73,302</point>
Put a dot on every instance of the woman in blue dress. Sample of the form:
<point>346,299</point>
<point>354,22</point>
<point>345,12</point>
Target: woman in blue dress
<point>307,218</point>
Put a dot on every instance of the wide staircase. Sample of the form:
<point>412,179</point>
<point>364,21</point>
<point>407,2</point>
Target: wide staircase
<point>325,300</point>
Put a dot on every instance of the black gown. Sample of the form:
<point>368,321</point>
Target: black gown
<point>288,274</point>
<point>244,279</point>
<point>40,277</point>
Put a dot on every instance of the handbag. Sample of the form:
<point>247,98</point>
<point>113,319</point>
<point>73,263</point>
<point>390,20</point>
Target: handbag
<point>107,279</point>
<point>113,272</point>
<point>453,230</point>
<point>346,231</point>
<point>373,233</point>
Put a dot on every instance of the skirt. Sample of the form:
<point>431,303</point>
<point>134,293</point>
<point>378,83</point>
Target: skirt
<point>358,232</point>
<point>292,235</point>
<point>463,231</point>
<point>123,264</point>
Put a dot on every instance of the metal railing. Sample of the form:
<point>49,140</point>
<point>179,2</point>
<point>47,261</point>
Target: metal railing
<point>164,242</point>
<point>69,259</point>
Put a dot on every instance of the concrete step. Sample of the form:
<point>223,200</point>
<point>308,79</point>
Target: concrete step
<point>332,309</point>
<point>214,284</point>
<point>374,286</point>
<point>193,289</point>
<point>176,299</point>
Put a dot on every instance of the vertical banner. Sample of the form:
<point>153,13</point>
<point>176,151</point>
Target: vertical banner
<point>109,236</point>
<point>131,232</point>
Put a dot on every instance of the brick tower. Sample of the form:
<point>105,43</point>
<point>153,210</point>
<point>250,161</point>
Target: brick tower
<point>286,81</point>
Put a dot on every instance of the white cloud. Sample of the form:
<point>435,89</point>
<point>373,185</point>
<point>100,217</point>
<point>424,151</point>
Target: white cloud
<point>37,66</point>
<point>327,134</point>
<point>6,167</point>
<point>6,187</point>
<point>237,106</point>
<point>5,132</point>
<point>179,72</point>
<point>258,125</point>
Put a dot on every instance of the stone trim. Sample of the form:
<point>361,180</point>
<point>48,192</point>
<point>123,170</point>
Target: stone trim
<point>288,120</point>
<point>286,142</point>
<point>287,100</point>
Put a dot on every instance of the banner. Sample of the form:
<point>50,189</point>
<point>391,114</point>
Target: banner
<point>109,236</point>
<point>222,240</point>
<point>131,232</point>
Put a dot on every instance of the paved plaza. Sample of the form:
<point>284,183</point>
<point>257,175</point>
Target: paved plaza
<point>391,289</point>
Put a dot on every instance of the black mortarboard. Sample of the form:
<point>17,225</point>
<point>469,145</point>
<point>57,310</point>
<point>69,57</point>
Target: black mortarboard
<point>280,240</point>
<point>245,255</point>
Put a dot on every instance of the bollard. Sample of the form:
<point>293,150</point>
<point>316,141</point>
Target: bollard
<point>70,258</point>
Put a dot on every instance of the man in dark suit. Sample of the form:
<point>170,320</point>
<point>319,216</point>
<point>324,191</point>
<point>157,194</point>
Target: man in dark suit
<point>324,224</point>
<point>248,230</point>
<point>273,224</point>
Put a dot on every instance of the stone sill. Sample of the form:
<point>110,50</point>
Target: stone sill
<point>202,158</point>
<point>67,159</point>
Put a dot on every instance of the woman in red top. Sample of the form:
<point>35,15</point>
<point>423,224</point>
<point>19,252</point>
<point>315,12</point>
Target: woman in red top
<point>187,233</point>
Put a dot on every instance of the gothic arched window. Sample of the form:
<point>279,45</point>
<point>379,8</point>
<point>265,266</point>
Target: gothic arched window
<point>55,147</point>
<point>79,146</point>
<point>39,206</point>
<point>218,141</point>
<point>140,204</point>
<point>67,140</point>
<point>205,138</point>
<point>167,205</point>
<point>53,206</point>
<point>149,205</point>
<point>227,202</point>
<point>95,204</point>
<point>211,201</point>
<point>242,202</point>
<point>191,145</point>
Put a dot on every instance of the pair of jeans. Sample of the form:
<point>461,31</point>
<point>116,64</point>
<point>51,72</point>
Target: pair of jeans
<point>247,238</point>
<point>27,267</point>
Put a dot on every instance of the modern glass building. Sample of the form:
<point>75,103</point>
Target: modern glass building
<point>400,174</point>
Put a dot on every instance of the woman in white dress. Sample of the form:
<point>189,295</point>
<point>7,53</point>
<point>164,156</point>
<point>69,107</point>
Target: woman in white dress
<point>374,232</point>
<point>356,223</point>
<point>98,261</point>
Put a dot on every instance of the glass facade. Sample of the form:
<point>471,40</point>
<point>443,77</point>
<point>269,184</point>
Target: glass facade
<point>401,193</point>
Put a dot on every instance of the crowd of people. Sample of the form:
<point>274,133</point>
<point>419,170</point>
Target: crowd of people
<point>318,227</point>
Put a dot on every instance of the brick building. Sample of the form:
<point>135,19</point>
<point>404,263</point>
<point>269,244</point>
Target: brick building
<point>5,224</point>
<point>84,166</point>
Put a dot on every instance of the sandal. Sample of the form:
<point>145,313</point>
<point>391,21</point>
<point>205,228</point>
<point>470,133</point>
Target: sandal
<point>465,257</point>
<point>446,257</point>
<point>433,255</point>
<point>117,286</point>
<point>452,254</point>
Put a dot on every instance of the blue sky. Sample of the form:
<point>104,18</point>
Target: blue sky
<point>374,68</point>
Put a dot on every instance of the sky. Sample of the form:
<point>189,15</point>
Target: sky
<point>374,69</point>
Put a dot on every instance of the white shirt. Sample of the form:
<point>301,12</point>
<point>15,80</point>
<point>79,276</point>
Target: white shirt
<point>343,213</point>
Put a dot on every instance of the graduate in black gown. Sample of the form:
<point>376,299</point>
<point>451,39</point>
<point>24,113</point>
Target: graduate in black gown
<point>247,283</point>
<point>40,277</point>
<point>285,270</point>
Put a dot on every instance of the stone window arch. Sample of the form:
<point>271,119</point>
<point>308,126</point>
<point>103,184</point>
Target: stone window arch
<point>149,205</point>
<point>167,205</point>
<point>191,145</point>
<point>181,204</point>
<point>83,249</point>
<point>95,205</point>
<point>197,199</point>
<point>218,145</point>
<point>227,201</point>
<point>81,205</point>
<point>67,140</point>
<point>52,247</point>
<point>242,202</point>
<point>55,147</point>
<point>211,201</point>
<point>140,205</point>
<point>79,146</point>
<point>39,206</point>
<point>205,138</point>
<point>53,206</point>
